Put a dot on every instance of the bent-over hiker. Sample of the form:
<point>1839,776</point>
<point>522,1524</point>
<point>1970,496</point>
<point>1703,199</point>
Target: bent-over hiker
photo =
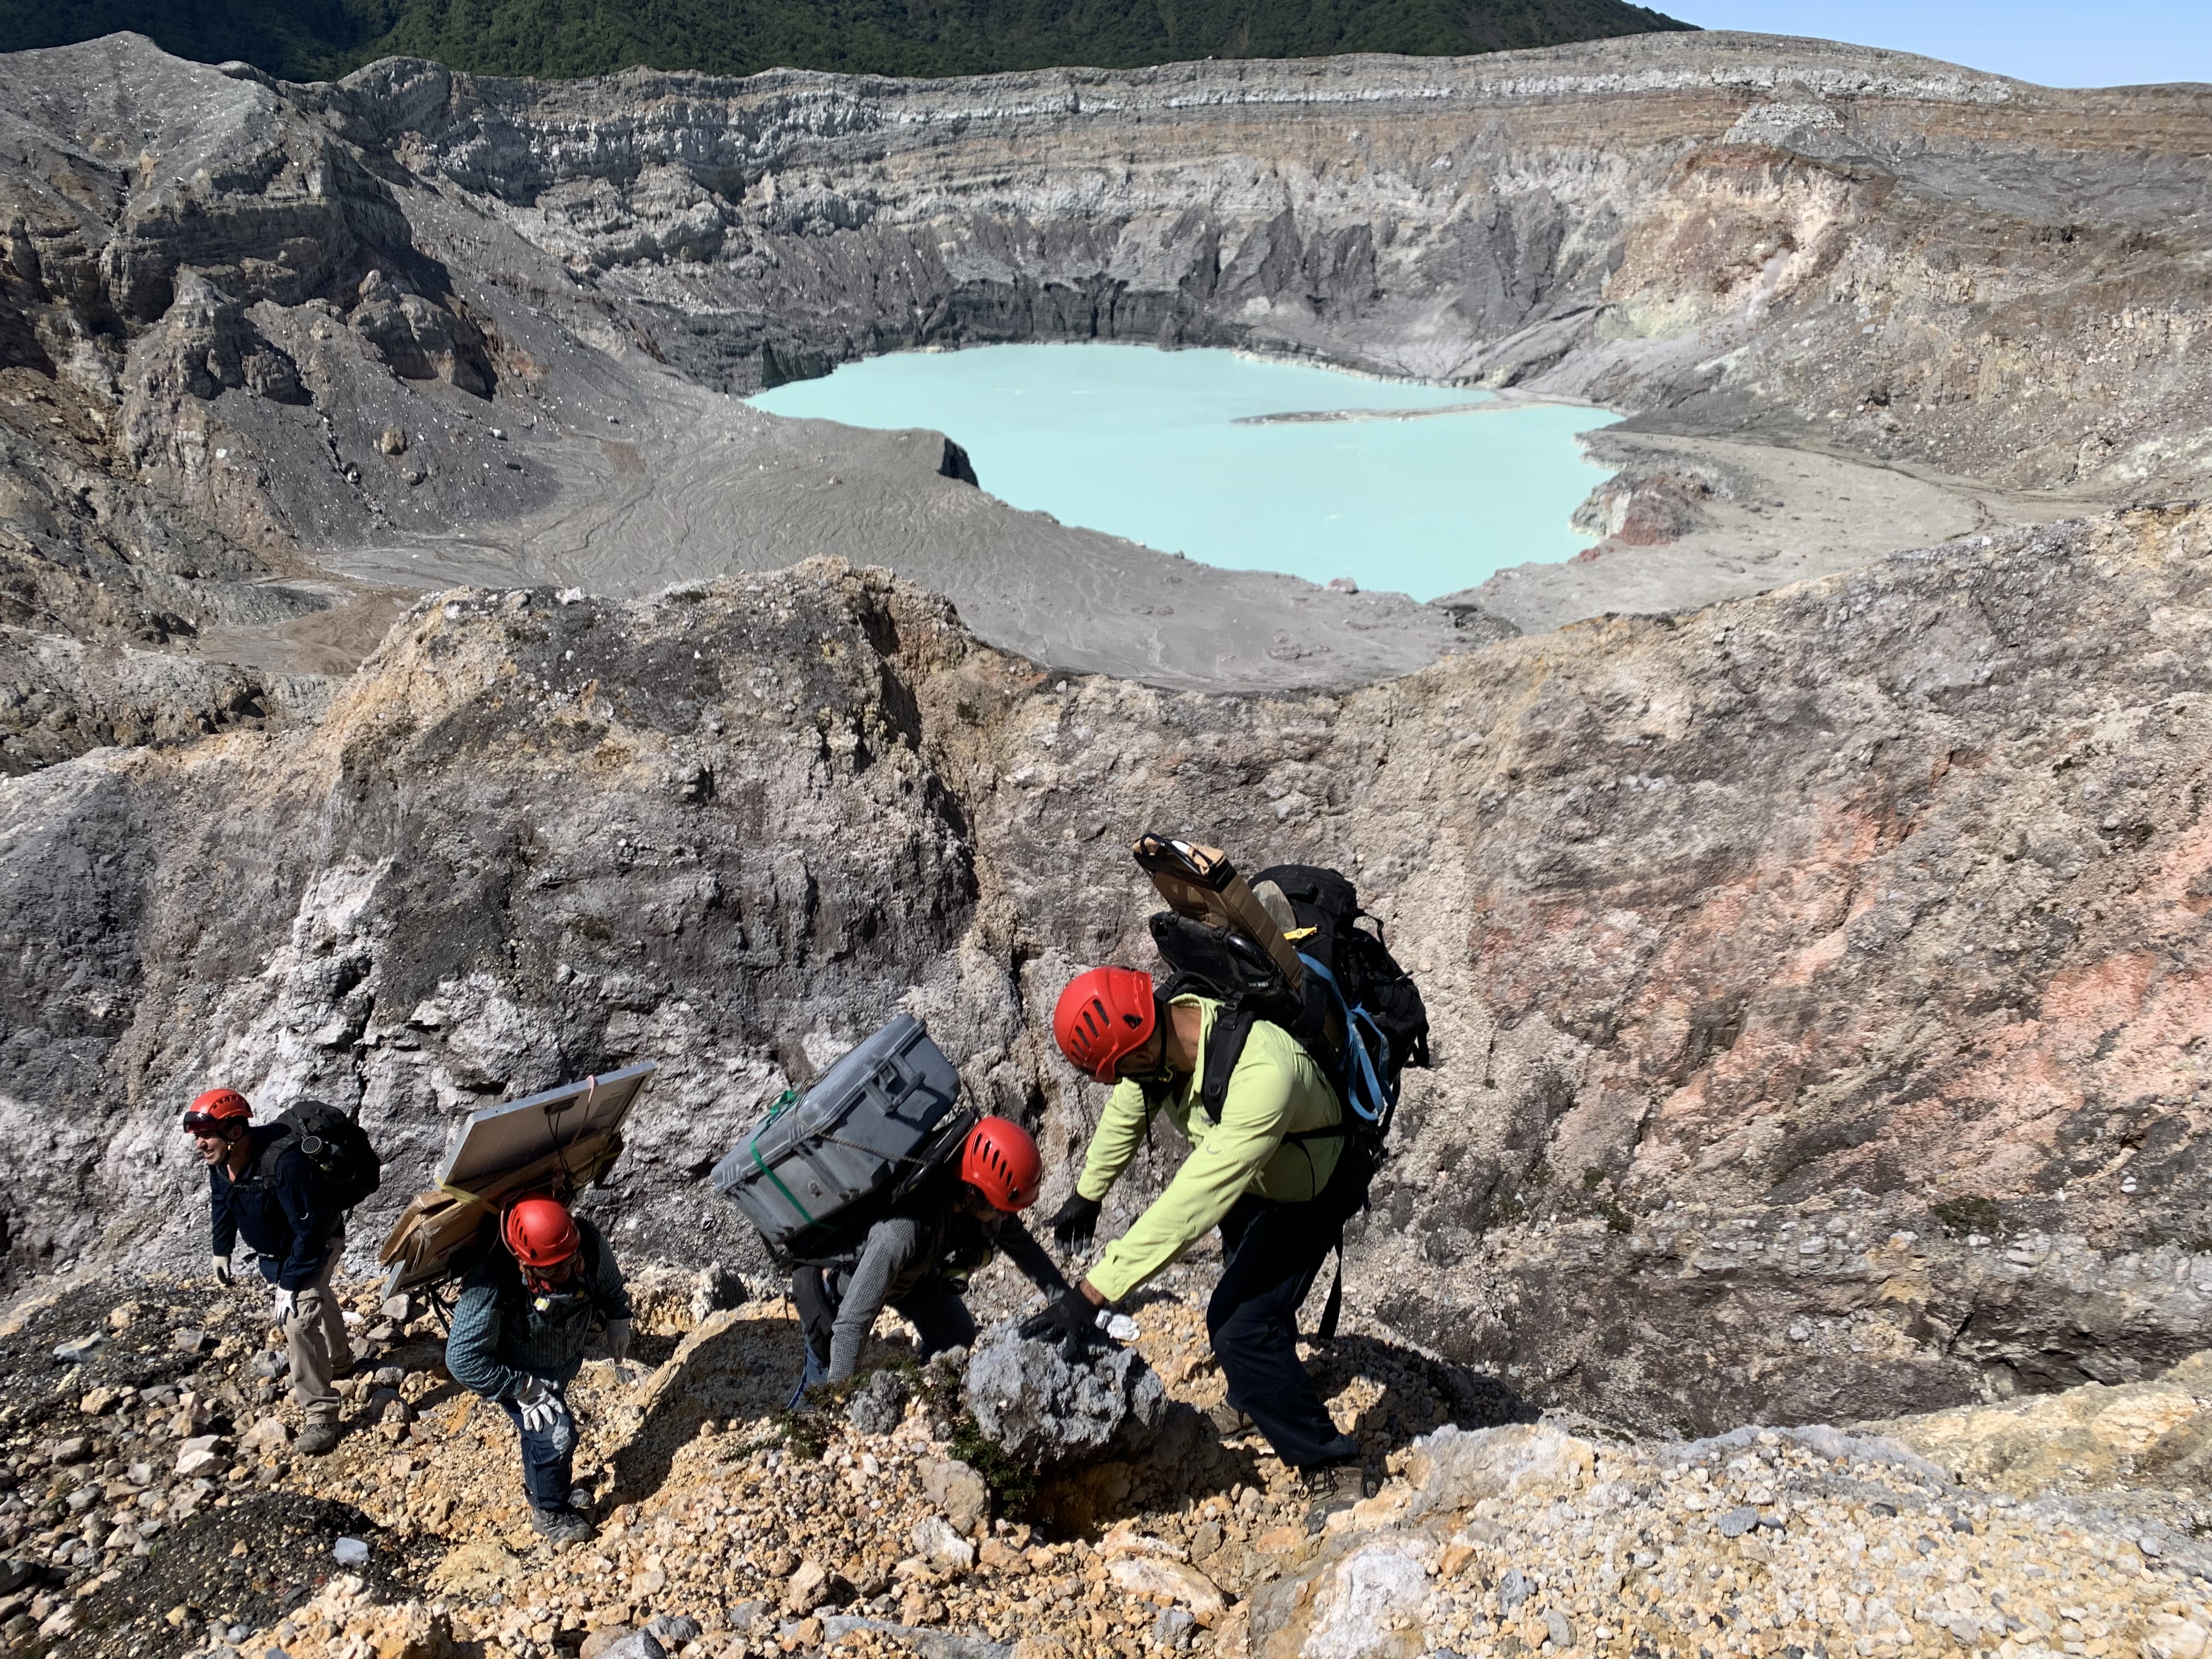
<point>918,1256</point>
<point>1276,1173</point>
<point>519,1328</point>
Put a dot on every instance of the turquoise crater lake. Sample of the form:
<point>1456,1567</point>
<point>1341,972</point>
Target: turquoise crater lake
<point>1176,450</point>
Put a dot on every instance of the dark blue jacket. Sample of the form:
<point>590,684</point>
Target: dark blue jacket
<point>279,1207</point>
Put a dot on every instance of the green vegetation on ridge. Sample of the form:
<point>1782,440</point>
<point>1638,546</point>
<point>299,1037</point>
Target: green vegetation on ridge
<point>309,39</point>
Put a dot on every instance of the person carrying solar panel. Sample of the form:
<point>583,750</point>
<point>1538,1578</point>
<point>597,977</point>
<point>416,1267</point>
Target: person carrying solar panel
<point>917,1257</point>
<point>525,1314</point>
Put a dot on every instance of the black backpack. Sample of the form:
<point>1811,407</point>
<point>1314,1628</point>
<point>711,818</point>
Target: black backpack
<point>335,1145</point>
<point>1356,1011</point>
<point>1359,1013</point>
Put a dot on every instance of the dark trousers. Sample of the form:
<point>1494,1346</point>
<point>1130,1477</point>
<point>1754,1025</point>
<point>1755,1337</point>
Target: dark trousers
<point>1271,1254</point>
<point>933,1308</point>
<point>547,1460</point>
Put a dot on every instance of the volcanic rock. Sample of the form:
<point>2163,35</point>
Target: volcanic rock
<point>1041,1410</point>
<point>879,1403</point>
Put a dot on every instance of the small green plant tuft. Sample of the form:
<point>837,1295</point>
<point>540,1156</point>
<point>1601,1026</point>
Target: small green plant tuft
<point>1012,1485</point>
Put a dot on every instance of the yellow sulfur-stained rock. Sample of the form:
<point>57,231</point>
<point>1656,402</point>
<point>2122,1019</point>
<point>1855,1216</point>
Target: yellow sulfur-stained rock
<point>475,1570</point>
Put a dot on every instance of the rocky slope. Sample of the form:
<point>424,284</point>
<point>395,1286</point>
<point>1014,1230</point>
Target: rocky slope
<point>427,328</point>
<point>153,1506</point>
<point>1820,1031</point>
<point>1818,1023</point>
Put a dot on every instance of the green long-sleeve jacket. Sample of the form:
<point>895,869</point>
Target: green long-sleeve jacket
<point>1275,1091</point>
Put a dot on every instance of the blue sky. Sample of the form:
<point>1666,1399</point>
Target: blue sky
<point>2079,43</point>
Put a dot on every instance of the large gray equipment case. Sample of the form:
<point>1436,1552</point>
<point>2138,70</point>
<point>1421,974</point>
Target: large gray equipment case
<point>867,1129</point>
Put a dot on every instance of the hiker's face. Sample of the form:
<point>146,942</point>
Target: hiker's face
<point>1145,1065</point>
<point>212,1145</point>
<point>558,1277</point>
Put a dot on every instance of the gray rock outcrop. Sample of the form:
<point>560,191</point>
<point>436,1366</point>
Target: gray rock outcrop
<point>1805,973</point>
<point>1046,1414</point>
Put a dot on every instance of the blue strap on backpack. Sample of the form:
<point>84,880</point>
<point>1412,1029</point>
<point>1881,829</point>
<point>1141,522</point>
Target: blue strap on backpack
<point>1369,1097</point>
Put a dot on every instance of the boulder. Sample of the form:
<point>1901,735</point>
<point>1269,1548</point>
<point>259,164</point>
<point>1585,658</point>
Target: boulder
<point>1152,1576</point>
<point>808,1588</point>
<point>270,1434</point>
<point>199,1453</point>
<point>1045,1412</point>
<point>716,1287</point>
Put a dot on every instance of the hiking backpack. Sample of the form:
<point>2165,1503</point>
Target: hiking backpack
<point>336,1146</point>
<point>1329,982</point>
<point>826,1163</point>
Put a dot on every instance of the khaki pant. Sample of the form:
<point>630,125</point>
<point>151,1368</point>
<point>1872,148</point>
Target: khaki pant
<point>315,1339</point>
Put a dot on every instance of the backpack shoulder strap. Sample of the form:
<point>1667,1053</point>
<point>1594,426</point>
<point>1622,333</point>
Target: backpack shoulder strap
<point>262,1172</point>
<point>1225,1047</point>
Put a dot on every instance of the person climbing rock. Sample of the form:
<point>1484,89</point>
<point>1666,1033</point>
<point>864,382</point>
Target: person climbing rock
<point>525,1314</point>
<point>1275,1173</point>
<point>918,1256</point>
<point>263,1189</point>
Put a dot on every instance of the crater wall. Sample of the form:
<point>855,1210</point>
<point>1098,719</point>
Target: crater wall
<point>1820,1024</point>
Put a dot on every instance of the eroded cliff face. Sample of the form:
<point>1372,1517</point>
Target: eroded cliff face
<point>1816,979</point>
<point>264,348</point>
<point>1828,245</point>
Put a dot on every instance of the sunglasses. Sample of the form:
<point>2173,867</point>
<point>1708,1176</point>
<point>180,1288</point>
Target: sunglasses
<point>199,1123</point>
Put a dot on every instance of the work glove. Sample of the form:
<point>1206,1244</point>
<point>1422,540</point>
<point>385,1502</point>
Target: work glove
<point>618,1350</point>
<point>285,1305</point>
<point>1076,1222</point>
<point>543,1409</point>
<point>222,1270</point>
<point>1071,1319</point>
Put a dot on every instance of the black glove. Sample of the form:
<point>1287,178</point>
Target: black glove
<point>1072,1320</point>
<point>1077,1221</point>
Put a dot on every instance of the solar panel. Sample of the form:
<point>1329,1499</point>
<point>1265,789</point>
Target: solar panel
<point>498,1138</point>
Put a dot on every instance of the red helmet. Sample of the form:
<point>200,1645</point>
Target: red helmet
<point>1001,1161</point>
<point>216,1111</point>
<point>541,1233</point>
<point>1103,1017</point>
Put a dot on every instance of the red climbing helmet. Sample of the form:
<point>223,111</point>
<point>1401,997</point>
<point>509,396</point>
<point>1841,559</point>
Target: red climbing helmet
<point>216,1111</point>
<point>541,1234</point>
<point>1103,1017</point>
<point>1001,1161</point>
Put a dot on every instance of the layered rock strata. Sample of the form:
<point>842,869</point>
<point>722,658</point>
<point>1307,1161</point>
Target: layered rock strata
<point>435,328</point>
<point>1905,260</point>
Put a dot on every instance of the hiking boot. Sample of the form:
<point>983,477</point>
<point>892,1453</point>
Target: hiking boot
<point>1333,1488</point>
<point>317,1439</point>
<point>562,1526</point>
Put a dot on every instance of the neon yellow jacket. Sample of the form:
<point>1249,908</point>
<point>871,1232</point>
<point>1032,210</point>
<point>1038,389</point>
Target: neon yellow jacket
<point>1275,1091</point>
